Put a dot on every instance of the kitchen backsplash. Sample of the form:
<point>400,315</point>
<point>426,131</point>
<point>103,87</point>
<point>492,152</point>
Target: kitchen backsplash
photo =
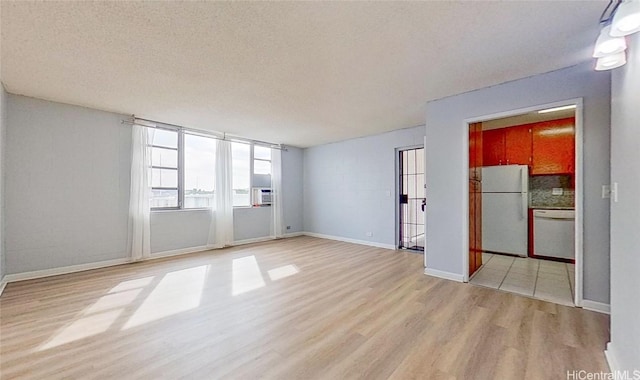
<point>541,191</point>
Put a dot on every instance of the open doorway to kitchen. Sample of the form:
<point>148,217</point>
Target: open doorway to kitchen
<point>411,199</point>
<point>525,191</point>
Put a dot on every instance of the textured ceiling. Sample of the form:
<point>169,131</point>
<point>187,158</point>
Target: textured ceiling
<point>299,73</point>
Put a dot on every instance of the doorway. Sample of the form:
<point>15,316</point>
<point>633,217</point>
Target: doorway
<point>411,199</point>
<point>525,172</point>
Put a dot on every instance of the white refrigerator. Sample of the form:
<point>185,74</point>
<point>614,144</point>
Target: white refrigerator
<point>505,204</point>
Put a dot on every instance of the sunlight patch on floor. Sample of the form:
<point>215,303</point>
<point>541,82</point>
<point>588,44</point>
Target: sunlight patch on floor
<point>282,272</point>
<point>132,284</point>
<point>246,275</point>
<point>177,292</point>
<point>82,328</point>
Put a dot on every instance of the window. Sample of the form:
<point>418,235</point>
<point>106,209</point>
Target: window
<point>261,160</point>
<point>165,157</point>
<point>182,169</point>
<point>241,182</point>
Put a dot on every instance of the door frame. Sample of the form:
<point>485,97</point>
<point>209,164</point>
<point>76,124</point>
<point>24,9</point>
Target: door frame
<point>397,192</point>
<point>579,183</point>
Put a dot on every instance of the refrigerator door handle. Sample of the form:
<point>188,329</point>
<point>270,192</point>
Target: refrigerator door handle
<point>524,193</point>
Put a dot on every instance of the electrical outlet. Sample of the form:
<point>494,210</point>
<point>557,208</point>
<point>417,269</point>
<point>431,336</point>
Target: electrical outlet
<point>606,191</point>
<point>369,234</point>
<point>288,227</point>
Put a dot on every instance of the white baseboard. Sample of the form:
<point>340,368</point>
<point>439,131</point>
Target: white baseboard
<point>442,274</point>
<point>293,234</point>
<point>178,252</point>
<point>62,270</point>
<point>596,306</point>
<point>348,240</point>
<point>253,240</point>
<point>3,284</point>
<point>609,354</point>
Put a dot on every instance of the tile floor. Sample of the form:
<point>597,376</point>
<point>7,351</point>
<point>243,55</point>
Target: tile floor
<point>543,279</point>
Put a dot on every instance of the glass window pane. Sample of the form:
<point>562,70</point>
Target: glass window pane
<point>164,157</point>
<point>164,137</point>
<point>411,162</point>
<point>405,162</point>
<point>199,171</point>
<point>420,161</point>
<point>241,162</point>
<point>164,178</point>
<point>261,167</point>
<point>261,152</point>
<point>411,186</point>
<point>420,186</point>
<point>164,198</point>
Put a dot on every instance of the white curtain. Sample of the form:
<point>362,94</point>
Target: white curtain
<point>139,194</point>
<point>276,193</point>
<point>221,229</point>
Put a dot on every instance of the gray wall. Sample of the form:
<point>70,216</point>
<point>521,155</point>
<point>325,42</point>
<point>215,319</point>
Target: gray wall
<point>3,129</point>
<point>625,214</point>
<point>446,170</point>
<point>67,189</point>
<point>67,192</point>
<point>350,186</point>
<point>292,189</point>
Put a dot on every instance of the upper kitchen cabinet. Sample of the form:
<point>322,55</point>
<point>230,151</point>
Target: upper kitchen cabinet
<point>507,146</point>
<point>518,145</point>
<point>493,147</point>
<point>553,146</point>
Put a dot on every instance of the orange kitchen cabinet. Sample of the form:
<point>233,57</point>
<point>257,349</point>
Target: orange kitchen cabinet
<point>553,145</point>
<point>493,147</point>
<point>518,145</point>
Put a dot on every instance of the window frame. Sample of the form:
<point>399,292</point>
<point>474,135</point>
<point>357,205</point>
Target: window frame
<point>180,168</point>
<point>180,149</point>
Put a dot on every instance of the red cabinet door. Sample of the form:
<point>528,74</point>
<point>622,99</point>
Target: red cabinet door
<point>554,147</point>
<point>493,147</point>
<point>518,145</point>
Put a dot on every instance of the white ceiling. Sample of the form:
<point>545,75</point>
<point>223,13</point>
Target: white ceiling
<point>299,73</point>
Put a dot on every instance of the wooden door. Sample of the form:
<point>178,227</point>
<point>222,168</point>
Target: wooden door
<point>475,187</point>
<point>518,145</point>
<point>493,147</point>
<point>554,147</point>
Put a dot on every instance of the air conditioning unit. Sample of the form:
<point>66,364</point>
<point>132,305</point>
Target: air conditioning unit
<point>262,196</point>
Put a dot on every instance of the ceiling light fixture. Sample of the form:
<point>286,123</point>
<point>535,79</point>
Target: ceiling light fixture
<point>606,44</point>
<point>561,108</point>
<point>610,62</point>
<point>620,18</point>
<point>626,18</point>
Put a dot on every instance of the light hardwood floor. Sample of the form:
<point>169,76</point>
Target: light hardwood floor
<point>298,308</point>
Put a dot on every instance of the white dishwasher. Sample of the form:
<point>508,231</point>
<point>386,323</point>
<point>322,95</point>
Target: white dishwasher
<point>553,233</point>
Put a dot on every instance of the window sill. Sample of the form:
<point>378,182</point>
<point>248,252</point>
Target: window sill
<point>180,210</point>
<point>204,209</point>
